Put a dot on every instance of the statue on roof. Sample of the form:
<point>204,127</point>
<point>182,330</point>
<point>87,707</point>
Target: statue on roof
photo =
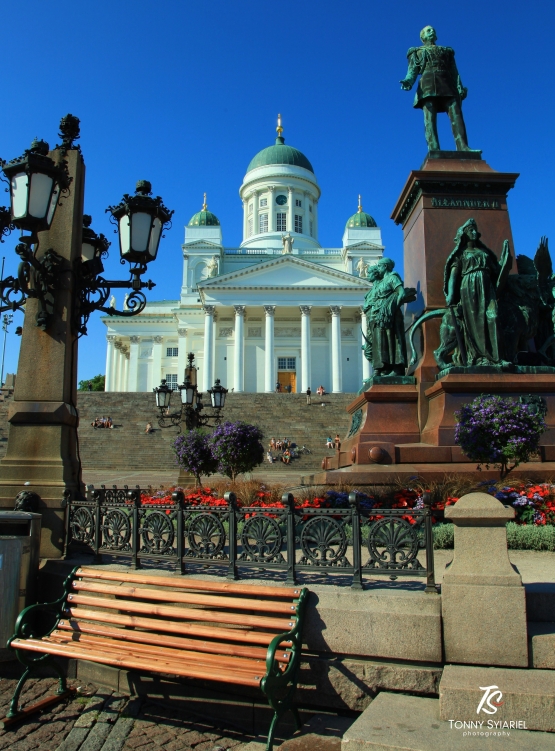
<point>212,266</point>
<point>287,242</point>
<point>440,88</point>
<point>362,267</point>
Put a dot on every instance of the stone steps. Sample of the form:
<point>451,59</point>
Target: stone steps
<point>278,415</point>
<point>527,695</point>
<point>411,723</point>
<point>541,645</point>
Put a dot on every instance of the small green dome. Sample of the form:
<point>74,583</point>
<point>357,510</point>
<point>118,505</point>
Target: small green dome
<point>361,218</point>
<point>280,154</point>
<point>204,218</point>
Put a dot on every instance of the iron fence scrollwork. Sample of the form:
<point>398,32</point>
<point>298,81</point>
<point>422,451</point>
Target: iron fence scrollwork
<point>359,541</point>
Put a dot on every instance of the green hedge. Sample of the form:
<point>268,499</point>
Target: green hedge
<point>519,537</point>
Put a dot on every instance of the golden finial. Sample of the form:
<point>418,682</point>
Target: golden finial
<point>359,204</point>
<point>204,205</point>
<point>279,128</point>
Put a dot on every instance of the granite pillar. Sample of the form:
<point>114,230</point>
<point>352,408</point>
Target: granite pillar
<point>42,438</point>
<point>450,188</point>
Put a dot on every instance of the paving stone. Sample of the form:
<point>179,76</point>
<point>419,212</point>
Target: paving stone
<point>96,737</point>
<point>119,733</point>
<point>74,739</point>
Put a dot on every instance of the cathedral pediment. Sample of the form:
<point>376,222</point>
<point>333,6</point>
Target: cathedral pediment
<point>364,245</point>
<point>201,245</point>
<point>284,272</point>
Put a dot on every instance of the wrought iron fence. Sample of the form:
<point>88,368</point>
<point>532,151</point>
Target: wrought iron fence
<point>356,541</point>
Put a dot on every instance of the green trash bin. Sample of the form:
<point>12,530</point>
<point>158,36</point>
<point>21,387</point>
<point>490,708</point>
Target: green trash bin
<point>19,566</point>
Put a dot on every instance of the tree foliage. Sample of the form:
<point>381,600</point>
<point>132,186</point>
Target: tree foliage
<point>194,454</point>
<point>498,431</point>
<point>237,448</point>
<point>97,383</point>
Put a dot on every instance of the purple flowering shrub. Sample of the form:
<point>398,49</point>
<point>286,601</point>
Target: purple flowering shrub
<point>194,454</point>
<point>237,448</point>
<point>498,431</point>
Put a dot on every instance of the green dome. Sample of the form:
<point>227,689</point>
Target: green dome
<point>361,219</point>
<point>280,154</point>
<point>204,218</point>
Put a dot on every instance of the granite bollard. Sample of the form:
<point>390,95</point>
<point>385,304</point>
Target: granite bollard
<point>483,599</point>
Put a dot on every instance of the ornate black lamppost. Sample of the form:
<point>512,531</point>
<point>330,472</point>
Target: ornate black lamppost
<point>191,406</point>
<point>60,284</point>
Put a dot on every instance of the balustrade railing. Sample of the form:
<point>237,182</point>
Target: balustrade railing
<point>356,541</point>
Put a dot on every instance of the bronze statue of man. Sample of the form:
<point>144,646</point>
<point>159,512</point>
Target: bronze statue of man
<point>439,90</point>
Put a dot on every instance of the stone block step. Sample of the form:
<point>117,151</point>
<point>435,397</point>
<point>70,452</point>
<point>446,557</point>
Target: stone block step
<point>541,638</point>
<point>398,722</point>
<point>519,695</point>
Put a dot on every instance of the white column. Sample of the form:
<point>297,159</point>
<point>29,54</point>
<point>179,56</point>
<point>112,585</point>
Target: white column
<point>156,361</point>
<point>306,365</point>
<point>125,374</point>
<point>121,385</point>
<point>255,215</point>
<point>208,374</point>
<point>336,363</point>
<point>366,367</point>
<point>269,375</point>
<point>245,219</point>
<point>181,355</point>
<point>116,372</point>
<point>315,220</point>
<point>239,349</point>
<point>307,215</point>
<point>271,209</point>
<point>290,219</point>
<point>185,282</point>
<point>108,385</point>
<point>133,378</point>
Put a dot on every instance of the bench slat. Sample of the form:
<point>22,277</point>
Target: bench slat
<point>193,584</point>
<point>167,654</point>
<point>205,600</point>
<point>119,661</point>
<point>146,637</point>
<point>245,635</point>
<point>193,614</point>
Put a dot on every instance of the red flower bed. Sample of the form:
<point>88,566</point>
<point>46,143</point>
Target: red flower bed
<point>533,504</point>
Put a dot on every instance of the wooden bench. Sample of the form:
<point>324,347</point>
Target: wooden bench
<point>219,631</point>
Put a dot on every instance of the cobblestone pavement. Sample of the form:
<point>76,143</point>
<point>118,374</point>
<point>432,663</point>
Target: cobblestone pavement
<point>101,720</point>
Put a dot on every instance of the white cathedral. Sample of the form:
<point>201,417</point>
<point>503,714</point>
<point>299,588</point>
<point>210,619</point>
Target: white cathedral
<point>279,308</point>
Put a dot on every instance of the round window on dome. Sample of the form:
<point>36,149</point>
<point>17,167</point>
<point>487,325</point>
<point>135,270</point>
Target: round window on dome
<point>281,200</point>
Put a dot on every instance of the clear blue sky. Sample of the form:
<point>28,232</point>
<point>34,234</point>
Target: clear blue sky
<point>185,93</point>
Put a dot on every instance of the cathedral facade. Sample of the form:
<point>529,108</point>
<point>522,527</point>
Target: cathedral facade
<point>280,308</point>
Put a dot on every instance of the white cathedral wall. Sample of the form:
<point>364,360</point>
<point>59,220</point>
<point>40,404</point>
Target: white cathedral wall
<point>320,365</point>
<point>351,380</point>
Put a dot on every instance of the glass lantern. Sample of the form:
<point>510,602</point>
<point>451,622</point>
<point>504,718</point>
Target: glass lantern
<point>35,185</point>
<point>187,391</point>
<point>93,247</point>
<point>217,395</point>
<point>163,395</point>
<point>140,220</point>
